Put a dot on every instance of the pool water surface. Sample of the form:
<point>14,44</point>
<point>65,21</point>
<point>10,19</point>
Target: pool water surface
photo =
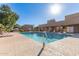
<point>41,37</point>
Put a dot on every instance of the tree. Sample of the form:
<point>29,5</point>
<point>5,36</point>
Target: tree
<point>2,28</point>
<point>7,17</point>
<point>17,26</point>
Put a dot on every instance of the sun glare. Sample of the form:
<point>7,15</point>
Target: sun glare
<point>55,9</point>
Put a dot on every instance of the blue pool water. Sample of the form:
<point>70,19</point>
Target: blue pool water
<point>41,37</point>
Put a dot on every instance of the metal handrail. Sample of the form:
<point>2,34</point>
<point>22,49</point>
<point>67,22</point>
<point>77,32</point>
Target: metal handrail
<point>45,35</point>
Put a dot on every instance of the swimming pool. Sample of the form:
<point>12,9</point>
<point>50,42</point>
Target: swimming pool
<point>41,37</point>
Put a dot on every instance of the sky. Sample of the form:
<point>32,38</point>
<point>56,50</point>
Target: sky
<point>39,13</point>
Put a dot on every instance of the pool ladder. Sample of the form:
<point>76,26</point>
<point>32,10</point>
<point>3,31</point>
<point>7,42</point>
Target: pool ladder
<point>43,46</point>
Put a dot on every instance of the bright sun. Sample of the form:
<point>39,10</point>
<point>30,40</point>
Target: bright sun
<point>55,9</point>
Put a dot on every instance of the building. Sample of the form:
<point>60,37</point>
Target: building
<point>70,24</point>
<point>27,27</point>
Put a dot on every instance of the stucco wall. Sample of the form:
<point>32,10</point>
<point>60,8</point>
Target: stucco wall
<point>72,19</point>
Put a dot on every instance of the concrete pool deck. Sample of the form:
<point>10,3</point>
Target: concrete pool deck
<point>65,47</point>
<point>17,45</point>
